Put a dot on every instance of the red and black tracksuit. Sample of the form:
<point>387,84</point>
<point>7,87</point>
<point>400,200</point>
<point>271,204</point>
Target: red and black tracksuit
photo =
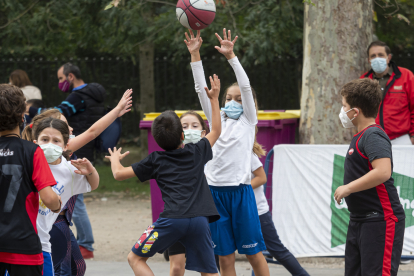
<point>396,112</point>
<point>377,221</point>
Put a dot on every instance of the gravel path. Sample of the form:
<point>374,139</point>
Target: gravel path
<point>118,221</point>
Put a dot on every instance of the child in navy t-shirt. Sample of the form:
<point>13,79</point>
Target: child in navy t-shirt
<point>189,205</point>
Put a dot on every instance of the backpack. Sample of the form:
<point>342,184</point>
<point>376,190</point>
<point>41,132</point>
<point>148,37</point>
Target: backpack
<point>110,136</point>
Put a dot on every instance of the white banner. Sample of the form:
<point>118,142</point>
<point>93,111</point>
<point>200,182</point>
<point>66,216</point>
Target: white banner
<point>307,218</point>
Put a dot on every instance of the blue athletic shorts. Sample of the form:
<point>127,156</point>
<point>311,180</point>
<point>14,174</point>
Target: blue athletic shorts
<point>239,223</point>
<point>48,264</point>
<point>193,233</point>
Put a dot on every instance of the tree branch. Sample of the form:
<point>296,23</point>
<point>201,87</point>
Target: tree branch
<point>161,2</point>
<point>251,2</point>
<point>142,41</point>
<point>19,16</point>
<point>398,8</point>
<point>234,22</point>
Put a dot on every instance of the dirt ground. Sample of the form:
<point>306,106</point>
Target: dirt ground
<point>118,221</point>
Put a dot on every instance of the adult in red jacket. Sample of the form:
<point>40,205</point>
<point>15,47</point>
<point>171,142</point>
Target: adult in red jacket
<point>396,112</point>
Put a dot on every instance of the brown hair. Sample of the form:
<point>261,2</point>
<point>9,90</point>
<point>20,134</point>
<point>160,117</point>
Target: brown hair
<point>12,107</point>
<point>57,124</point>
<point>20,78</point>
<point>28,133</point>
<point>364,94</point>
<point>379,43</point>
<point>257,148</point>
<point>200,119</point>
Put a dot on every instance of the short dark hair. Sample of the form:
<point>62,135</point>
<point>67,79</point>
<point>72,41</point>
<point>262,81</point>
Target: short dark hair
<point>20,78</point>
<point>36,103</point>
<point>364,94</point>
<point>12,107</point>
<point>167,130</point>
<point>379,43</point>
<point>70,68</point>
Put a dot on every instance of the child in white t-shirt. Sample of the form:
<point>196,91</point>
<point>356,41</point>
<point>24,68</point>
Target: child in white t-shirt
<point>229,172</point>
<point>270,236</point>
<point>75,177</point>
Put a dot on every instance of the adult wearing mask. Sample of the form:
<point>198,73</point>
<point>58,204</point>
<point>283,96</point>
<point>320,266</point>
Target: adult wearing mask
<point>396,112</point>
<point>82,108</point>
<point>20,79</point>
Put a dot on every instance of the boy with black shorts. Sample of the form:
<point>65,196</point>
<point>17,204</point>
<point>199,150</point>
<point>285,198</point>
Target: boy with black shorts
<point>377,221</point>
<point>24,174</point>
<point>189,205</point>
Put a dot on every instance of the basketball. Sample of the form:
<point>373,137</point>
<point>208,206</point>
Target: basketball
<point>195,14</point>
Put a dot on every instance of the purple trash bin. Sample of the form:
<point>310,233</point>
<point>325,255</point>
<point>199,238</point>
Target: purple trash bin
<point>274,128</point>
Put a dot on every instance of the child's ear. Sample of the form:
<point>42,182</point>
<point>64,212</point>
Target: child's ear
<point>203,133</point>
<point>66,147</point>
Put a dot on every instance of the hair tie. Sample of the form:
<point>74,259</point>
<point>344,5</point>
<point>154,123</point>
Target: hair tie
<point>31,125</point>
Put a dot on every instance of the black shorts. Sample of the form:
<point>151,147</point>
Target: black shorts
<point>374,248</point>
<point>18,270</point>
<point>176,249</point>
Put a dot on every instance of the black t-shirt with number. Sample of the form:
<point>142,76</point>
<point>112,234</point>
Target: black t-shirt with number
<point>23,172</point>
<point>180,176</point>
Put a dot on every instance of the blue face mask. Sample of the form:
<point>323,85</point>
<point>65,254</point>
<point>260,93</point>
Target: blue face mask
<point>379,65</point>
<point>233,110</point>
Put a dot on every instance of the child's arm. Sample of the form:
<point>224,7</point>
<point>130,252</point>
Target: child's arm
<point>50,199</point>
<point>380,173</point>
<point>120,172</point>
<point>86,168</point>
<point>259,178</point>
<point>193,45</point>
<point>226,48</point>
<point>213,95</point>
<point>97,128</point>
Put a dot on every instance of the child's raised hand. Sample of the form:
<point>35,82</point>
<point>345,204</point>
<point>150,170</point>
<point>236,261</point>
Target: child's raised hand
<point>84,166</point>
<point>215,88</point>
<point>193,43</point>
<point>226,44</point>
<point>125,103</point>
<point>116,154</point>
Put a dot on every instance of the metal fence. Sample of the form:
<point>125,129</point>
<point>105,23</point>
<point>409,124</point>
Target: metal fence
<point>277,83</point>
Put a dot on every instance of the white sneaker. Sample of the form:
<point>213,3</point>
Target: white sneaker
<point>405,261</point>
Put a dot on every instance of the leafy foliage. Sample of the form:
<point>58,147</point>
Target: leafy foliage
<point>396,30</point>
<point>95,27</point>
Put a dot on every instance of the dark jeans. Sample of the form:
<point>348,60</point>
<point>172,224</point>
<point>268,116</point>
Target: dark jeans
<point>277,249</point>
<point>83,225</point>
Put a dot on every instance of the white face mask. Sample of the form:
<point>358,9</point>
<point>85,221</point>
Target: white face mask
<point>192,136</point>
<point>52,152</point>
<point>346,122</point>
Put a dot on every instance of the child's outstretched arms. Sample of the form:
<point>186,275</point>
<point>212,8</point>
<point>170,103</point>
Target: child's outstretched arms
<point>226,48</point>
<point>120,172</point>
<point>97,128</point>
<point>85,167</point>
<point>215,124</point>
<point>193,45</point>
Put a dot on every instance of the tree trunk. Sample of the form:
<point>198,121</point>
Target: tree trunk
<point>147,88</point>
<point>336,36</point>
